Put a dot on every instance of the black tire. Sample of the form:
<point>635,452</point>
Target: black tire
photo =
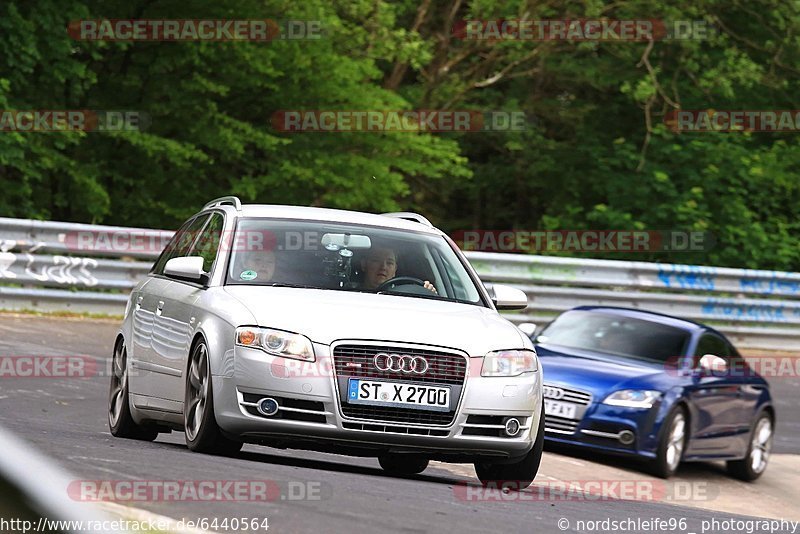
<point>120,421</point>
<point>744,469</point>
<point>403,464</point>
<point>518,475</point>
<point>202,432</point>
<point>665,464</point>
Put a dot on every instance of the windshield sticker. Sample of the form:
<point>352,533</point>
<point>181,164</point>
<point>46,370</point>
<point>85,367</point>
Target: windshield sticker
<point>248,275</point>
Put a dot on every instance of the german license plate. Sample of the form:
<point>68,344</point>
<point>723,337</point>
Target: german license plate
<point>398,394</point>
<point>559,409</point>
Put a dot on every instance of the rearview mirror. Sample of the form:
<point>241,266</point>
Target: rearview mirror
<point>509,298</point>
<point>188,267</point>
<point>349,241</point>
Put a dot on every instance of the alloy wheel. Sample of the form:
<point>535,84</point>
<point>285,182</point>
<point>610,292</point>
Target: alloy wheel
<point>761,445</point>
<point>119,381</point>
<point>198,390</point>
<point>677,435</point>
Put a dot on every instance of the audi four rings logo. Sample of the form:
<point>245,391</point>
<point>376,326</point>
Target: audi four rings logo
<point>400,363</point>
<point>552,393</point>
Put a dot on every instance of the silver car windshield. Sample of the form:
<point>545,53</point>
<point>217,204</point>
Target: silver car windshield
<point>347,257</point>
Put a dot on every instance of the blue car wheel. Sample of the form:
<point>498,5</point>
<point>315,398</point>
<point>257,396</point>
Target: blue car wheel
<point>671,444</point>
<point>753,465</point>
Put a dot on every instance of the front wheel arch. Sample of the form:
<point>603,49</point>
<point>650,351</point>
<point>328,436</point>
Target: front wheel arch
<point>209,437</point>
<point>659,465</point>
<point>198,337</point>
<point>682,404</point>
<point>742,469</point>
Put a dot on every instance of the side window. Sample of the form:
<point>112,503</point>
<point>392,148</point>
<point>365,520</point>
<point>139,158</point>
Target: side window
<point>181,243</point>
<point>711,344</point>
<point>208,244</point>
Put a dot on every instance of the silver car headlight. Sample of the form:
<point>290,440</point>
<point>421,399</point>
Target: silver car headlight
<point>509,362</point>
<point>633,398</point>
<point>276,342</point>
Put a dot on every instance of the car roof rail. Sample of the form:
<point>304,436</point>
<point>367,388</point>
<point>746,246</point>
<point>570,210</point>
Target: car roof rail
<point>409,216</point>
<point>229,200</point>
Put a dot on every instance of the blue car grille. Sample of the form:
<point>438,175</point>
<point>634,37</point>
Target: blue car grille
<point>571,395</point>
<point>563,425</point>
<point>560,424</point>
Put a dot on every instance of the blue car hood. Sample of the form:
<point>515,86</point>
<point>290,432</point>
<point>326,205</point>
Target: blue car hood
<point>599,374</point>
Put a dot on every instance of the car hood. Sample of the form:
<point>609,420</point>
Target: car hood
<point>600,374</point>
<point>328,315</point>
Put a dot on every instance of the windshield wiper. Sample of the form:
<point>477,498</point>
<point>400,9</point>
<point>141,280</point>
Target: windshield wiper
<point>418,295</point>
<point>301,286</point>
<point>429,297</point>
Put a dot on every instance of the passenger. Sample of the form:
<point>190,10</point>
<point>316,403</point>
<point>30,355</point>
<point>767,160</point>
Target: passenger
<point>259,266</point>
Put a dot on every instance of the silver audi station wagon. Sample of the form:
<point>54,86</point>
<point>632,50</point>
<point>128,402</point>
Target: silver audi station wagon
<point>328,330</point>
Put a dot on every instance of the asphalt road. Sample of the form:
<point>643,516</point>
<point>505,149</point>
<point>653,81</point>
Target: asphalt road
<point>65,418</point>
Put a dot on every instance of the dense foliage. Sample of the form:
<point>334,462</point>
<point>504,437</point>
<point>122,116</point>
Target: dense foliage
<point>596,152</point>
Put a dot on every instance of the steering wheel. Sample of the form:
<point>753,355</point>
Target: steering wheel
<point>400,281</point>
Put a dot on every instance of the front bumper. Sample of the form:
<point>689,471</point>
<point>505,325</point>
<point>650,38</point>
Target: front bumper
<point>612,429</point>
<point>311,414</point>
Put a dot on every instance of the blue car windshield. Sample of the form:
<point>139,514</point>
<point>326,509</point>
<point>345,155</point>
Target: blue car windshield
<point>615,334</point>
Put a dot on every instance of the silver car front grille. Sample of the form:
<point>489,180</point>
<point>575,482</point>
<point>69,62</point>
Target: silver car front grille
<point>358,361</point>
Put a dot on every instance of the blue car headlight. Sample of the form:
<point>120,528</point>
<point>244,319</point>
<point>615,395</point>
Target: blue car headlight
<point>633,398</point>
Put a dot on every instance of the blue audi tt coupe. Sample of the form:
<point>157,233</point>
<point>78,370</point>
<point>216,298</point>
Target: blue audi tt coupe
<point>652,386</point>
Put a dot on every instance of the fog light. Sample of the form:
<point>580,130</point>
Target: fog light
<point>626,437</point>
<point>512,427</point>
<point>268,407</point>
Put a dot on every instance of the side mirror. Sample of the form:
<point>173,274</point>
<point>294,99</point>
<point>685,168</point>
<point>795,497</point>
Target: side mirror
<point>712,365</point>
<point>527,328</point>
<point>509,298</point>
<point>188,268</point>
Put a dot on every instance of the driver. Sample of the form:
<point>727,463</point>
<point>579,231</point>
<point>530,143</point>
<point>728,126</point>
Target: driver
<point>380,265</point>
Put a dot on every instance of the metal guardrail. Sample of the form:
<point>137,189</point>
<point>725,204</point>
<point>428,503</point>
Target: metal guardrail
<point>53,266</point>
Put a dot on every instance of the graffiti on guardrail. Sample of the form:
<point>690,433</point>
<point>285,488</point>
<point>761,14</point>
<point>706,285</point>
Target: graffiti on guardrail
<point>7,258</point>
<point>696,277</point>
<point>777,283</point>
<point>729,309</point>
<point>62,272</point>
<point>57,269</point>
